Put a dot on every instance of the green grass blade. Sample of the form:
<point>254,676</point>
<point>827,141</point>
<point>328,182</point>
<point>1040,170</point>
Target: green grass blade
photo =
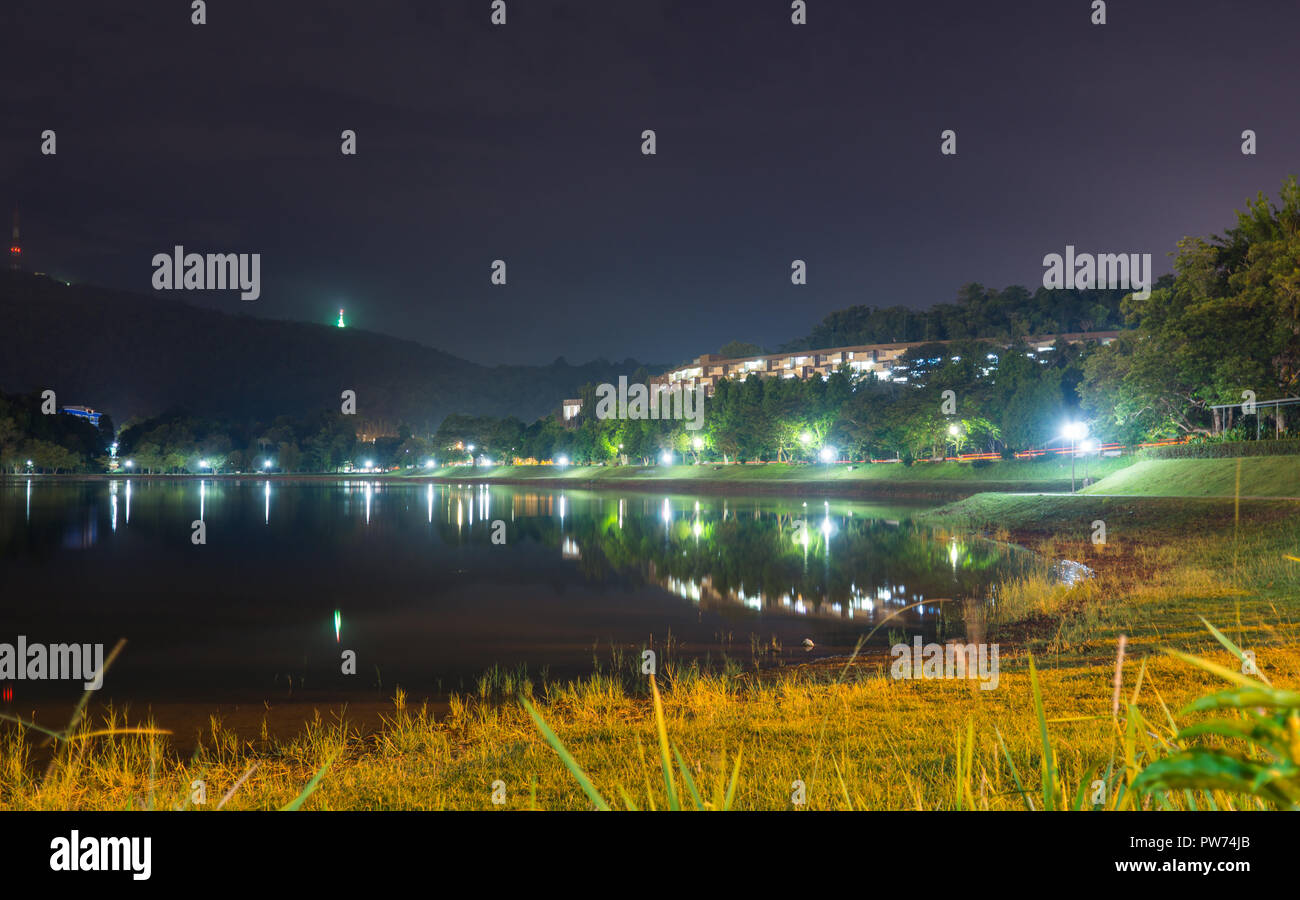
<point>690,782</point>
<point>669,782</point>
<point>298,801</point>
<point>1049,770</point>
<point>570,763</point>
<point>1015,773</point>
<point>735,777</point>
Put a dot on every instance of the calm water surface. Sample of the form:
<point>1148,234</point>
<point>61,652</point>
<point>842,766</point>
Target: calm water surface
<point>407,576</point>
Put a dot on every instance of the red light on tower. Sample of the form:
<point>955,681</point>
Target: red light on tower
<point>15,249</point>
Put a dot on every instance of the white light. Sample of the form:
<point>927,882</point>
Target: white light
<point>369,463</point>
<point>699,443</point>
<point>266,464</point>
<point>130,464</point>
<point>428,464</point>
<point>954,430</point>
<point>827,454</point>
<point>806,437</point>
<point>203,464</point>
<point>1088,445</point>
<point>667,458</point>
<point>562,460</point>
<point>1076,431</point>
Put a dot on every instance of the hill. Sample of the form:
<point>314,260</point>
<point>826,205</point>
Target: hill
<point>139,354</point>
<point>1261,476</point>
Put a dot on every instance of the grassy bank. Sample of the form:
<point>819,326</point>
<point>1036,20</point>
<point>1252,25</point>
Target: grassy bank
<point>863,741</point>
<point>1258,476</point>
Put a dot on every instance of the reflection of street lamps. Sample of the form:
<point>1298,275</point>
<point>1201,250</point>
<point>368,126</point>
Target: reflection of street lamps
<point>1075,431</point>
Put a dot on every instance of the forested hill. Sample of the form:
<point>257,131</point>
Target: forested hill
<point>139,354</point>
<point>978,312</point>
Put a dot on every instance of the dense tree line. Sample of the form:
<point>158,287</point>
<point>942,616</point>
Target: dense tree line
<point>51,442</point>
<point>978,312</point>
<point>1002,399</point>
<point>1226,324</point>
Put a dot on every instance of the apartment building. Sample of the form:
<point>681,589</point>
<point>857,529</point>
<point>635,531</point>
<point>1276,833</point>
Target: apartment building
<point>874,359</point>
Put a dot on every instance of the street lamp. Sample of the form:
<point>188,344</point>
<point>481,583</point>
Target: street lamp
<point>667,457</point>
<point>827,454</point>
<point>1075,431</point>
<point>1088,446</point>
<point>130,464</point>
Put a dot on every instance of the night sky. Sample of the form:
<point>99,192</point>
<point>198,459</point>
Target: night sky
<point>523,142</point>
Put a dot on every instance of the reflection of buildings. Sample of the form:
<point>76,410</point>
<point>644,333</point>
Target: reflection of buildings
<point>867,605</point>
<point>880,360</point>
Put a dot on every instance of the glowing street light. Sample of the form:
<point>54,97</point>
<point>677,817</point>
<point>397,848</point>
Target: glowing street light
<point>266,464</point>
<point>827,454</point>
<point>130,464</point>
<point>666,457</point>
<point>561,460</point>
<point>806,437</point>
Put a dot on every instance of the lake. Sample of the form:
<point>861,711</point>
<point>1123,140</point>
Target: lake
<point>430,585</point>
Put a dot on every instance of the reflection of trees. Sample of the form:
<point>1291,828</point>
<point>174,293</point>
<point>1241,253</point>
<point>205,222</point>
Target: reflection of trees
<point>780,558</point>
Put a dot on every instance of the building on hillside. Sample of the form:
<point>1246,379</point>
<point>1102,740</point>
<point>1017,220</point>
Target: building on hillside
<point>880,360</point>
<point>570,409</point>
<point>84,412</point>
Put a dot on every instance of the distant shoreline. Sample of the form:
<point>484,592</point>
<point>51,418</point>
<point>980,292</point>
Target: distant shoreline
<point>857,488</point>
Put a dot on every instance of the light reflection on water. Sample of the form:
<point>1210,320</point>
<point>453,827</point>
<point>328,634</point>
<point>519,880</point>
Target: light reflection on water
<point>429,598</point>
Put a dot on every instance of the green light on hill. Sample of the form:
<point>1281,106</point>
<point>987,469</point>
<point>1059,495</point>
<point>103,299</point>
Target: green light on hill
<point>341,325</point>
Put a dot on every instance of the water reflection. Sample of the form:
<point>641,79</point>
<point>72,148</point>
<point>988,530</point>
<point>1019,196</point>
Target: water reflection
<point>426,585</point>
